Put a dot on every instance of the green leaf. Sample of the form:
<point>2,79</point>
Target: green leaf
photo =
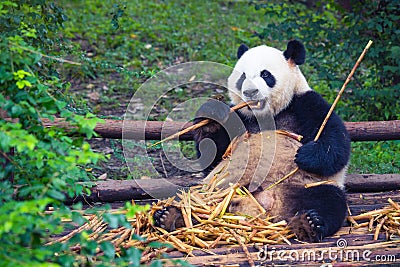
<point>56,195</point>
<point>112,220</point>
<point>20,84</point>
<point>156,263</point>
<point>108,249</point>
<point>134,255</point>
<point>20,74</point>
<point>78,218</point>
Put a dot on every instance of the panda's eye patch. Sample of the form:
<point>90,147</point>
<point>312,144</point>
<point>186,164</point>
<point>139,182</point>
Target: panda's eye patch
<point>239,82</point>
<point>268,78</point>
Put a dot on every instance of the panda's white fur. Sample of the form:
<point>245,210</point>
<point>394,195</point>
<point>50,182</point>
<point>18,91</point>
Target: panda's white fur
<point>289,79</point>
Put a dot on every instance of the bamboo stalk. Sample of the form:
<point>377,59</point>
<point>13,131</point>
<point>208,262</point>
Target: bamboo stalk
<point>245,250</point>
<point>371,224</point>
<point>283,178</point>
<point>319,183</point>
<point>370,214</point>
<point>216,241</point>
<point>295,136</point>
<point>342,90</point>
<point>364,224</point>
<point>221,207</point>
<point>261,208</point>
<point>394,204</point>
<point>147,257</point>
<point>198,125</point>
<point>188,224</point>
<point>229,225</point>
<point>264,240</point>
<point>378,228</point>
<point>228,199</point>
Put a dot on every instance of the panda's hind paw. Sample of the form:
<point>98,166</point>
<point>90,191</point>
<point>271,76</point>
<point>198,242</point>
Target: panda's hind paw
<point>308,226</point>
<point>169,218</point>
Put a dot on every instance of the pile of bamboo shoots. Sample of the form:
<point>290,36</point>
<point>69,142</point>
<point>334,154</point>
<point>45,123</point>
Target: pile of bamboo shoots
<point>208,206</point>
<point>386,219</point>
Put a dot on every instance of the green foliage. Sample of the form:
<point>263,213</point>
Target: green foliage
<point>334,38</point>
<point>41,165</point>
<point>36,19</point>
<point>155,34</point>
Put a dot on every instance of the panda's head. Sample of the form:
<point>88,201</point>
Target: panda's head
<point>268,76</point>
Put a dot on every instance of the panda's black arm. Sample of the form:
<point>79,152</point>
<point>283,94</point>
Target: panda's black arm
<point>331,153</point>
<point>213,139</point>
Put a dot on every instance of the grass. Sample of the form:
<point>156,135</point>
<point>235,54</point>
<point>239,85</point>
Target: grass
<point>153,35</point>
<point>375,157</point>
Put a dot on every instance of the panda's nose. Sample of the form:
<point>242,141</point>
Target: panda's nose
<point>250,92</point>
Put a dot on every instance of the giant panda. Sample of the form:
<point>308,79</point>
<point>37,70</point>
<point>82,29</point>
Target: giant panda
<point>273,82</point>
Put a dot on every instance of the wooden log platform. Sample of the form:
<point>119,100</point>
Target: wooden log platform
<point>349,247</point>
<point>359,250</point>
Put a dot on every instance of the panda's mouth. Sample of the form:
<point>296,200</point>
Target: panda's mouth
<point>257,104</point>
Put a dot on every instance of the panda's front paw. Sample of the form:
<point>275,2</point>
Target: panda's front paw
<point>215,110</point>
<point>310,159</point>
<point>169,218</point>
<point>308,226</point>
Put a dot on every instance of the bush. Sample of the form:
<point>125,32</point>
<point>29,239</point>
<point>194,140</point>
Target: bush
<point>41,165</point>
<point>334,38</point>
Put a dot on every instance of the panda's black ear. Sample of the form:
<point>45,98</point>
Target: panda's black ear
<point>295,51</point>
<point>242,49</point>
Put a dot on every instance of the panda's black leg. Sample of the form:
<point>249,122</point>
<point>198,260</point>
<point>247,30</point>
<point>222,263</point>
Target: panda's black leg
<point>319,212</point>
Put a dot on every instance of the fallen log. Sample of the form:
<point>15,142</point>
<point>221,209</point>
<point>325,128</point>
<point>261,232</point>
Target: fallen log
<point>374,130</point>
<point>123,190</point>
<point>372,182</point>
<point>154,130</point>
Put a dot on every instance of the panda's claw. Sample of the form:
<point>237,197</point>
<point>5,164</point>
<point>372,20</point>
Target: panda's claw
<point>308,226</point>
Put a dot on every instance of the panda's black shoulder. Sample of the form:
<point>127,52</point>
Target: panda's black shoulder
<point>309,110</point>
<point>309,101</point>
